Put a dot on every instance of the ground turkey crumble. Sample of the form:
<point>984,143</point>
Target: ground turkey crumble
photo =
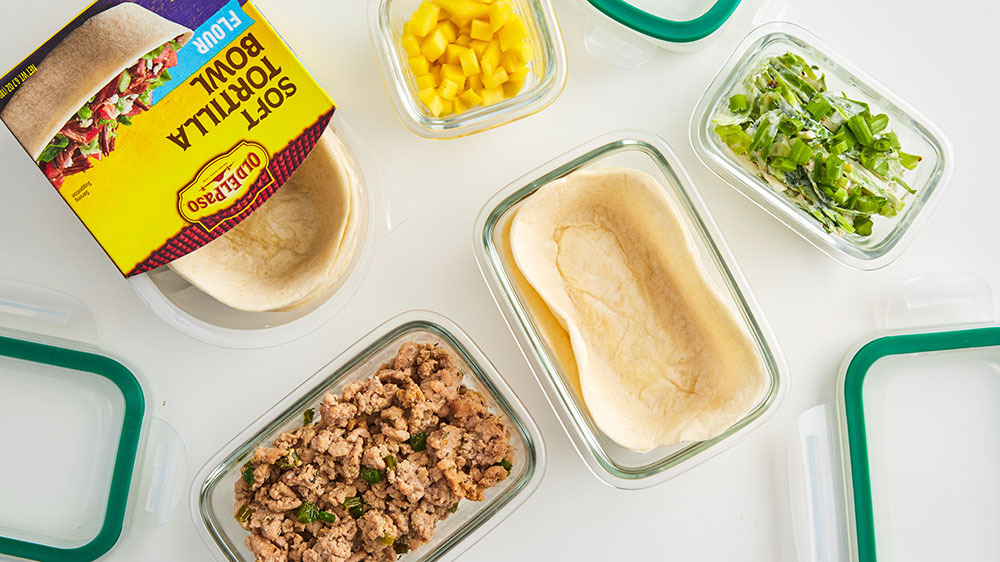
<point>389,458</point>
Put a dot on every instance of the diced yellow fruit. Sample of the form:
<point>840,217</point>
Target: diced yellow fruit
<point>464,10</point>
<point>463,40</point>
<point>444,15</point>
<point>459,106</point>
<point>469,62</point>
<point>452,53</point>
<point>449,30</point>
<point>433,47</point>
<point>481,30</point>
<point>423,19</point>
<point>508,63</point>
<point>411,44</point>
<point>490,59</point>
<point>426,81</point>
<point>500,12</point>
<point>419,65</point>
<point>447,107</point>
<point>453,72</point>
<point>465,29</point>
<point>512,87</point>
<point>470,98</point>
<point>479,47</point>
<point>492,96</point>
<point>448,89</point>
<point>512,32</point>
<point>432,101</point>
<point>519,75</point>
<point>475,82</point>
<point>436,73</point>
<point>522,52</point>
<point>496,79</point>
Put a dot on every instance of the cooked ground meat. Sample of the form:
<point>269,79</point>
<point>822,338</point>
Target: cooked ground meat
<point>389,458</point>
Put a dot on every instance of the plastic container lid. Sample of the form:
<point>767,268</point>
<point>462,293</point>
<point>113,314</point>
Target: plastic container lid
<point>905,465</point>
<point>674,22</point>
<point>82,432</point>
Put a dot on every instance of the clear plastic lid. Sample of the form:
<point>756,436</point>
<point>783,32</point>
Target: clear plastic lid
<point>904,467</point>
<point>84,441</point>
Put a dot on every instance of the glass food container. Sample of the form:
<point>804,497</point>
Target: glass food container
<point>903,465</point>
<point>212,493</point>
<point>610,462</point>
<point>87,460</point>
<point>917,134</point>
<point>543,85</point>
<point>195,313</point>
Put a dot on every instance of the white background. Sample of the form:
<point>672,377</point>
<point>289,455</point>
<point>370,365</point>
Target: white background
<point>941,57</point>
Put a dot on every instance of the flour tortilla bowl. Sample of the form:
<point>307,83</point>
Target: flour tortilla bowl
<point>293,248</point>
<point>661,358</point>
<point>85,61</point>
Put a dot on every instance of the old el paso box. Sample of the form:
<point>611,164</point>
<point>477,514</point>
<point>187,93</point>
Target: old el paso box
<point>164,123</point>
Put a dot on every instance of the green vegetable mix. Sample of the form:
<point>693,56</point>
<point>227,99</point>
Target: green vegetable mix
<point>419,442</point>
<point>371,475</point>
<point>307,513</point>
<point>827,153</point>
<point>248,473</point>
<point>307,416</point>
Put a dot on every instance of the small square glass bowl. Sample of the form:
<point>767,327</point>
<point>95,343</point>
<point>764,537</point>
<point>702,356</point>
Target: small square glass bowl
<point>917,134</point>
<point>616,465</point>
<point>212,497</point>
<point>543,85</point>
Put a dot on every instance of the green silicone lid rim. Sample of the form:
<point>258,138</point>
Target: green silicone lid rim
<point>664,29</point>
<point>854,409</point>
<point>125,457</point>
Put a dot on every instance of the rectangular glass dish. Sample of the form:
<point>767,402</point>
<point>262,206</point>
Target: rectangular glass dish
<point>917,135</point>
<point>612,463</point>
<point>212,497</point>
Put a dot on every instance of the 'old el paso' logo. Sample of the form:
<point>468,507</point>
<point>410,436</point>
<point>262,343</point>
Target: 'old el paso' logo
<point>222,183</point>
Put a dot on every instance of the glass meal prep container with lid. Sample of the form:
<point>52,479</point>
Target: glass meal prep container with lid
<point>86,461</point>
<point>197,314</point>
<point>212,496</point>
<point>916,134</point>
<point>542,86</point>
<point>903,464</point>
<point>612,463</point>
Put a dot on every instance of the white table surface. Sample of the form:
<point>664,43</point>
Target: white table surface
<point>735,507</point>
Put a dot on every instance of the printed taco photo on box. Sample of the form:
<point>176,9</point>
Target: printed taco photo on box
<point>201,155</point>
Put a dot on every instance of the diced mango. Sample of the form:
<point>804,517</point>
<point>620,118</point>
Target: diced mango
<point>449,30</point>
<point>434,45</point>
<point>500,12</point>
<point>453,52</point>
<point>464,10</point>
<point>470,98</point>
<point>447,107</point>
<point>453,72</point>
<point>520,74</point>
<point>513,31</point>
<point>490,59</point>
<point>463,40</point>
<point>459,106</point>
<point>496,79</point>
<point>522,52</point>
<point>479,47</point>
<point>492,96</point>
<point>512,87</point>
<point>432,100</point>
<point>469,62</point>
<point>475,82</point>
<point>426,81</point>
<point>481,30</point>
<point>411,44</point>
<point>423,19</point>
<point>448,89</point>
<point>508,63</point>
<point>419,65</point>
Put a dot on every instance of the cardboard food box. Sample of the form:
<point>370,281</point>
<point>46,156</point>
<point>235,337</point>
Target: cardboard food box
<point>164,123</point>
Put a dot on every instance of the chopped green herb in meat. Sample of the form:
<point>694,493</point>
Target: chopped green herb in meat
<point>827,153</point>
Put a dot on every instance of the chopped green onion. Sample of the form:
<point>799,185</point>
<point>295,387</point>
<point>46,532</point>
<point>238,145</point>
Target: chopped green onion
<point>801,152</point>
<point>289,461</point>
<point>734,137</point>
<point>248,473</point>
<point>862,132</point>
<point>791,126</point>
<point>327,517</point>
<point>243,515</point>
<point>354,506</point>
<point>882,145</point>
<point>783,164</point>
<point>418,442</point>
<point>400,547</point>
<point>390,462</point>
<point>878,123</point>
<point>453,508</point>
<point>307,416</point>
<point>863,227</point>
<point>819,108</point>
<point>833,170</point>
<point>307,513</point>
<point>387,539</point>
<point>909,161</point>
<point>85,113</point>
<point>370,475</point>
<point>738,103</point>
